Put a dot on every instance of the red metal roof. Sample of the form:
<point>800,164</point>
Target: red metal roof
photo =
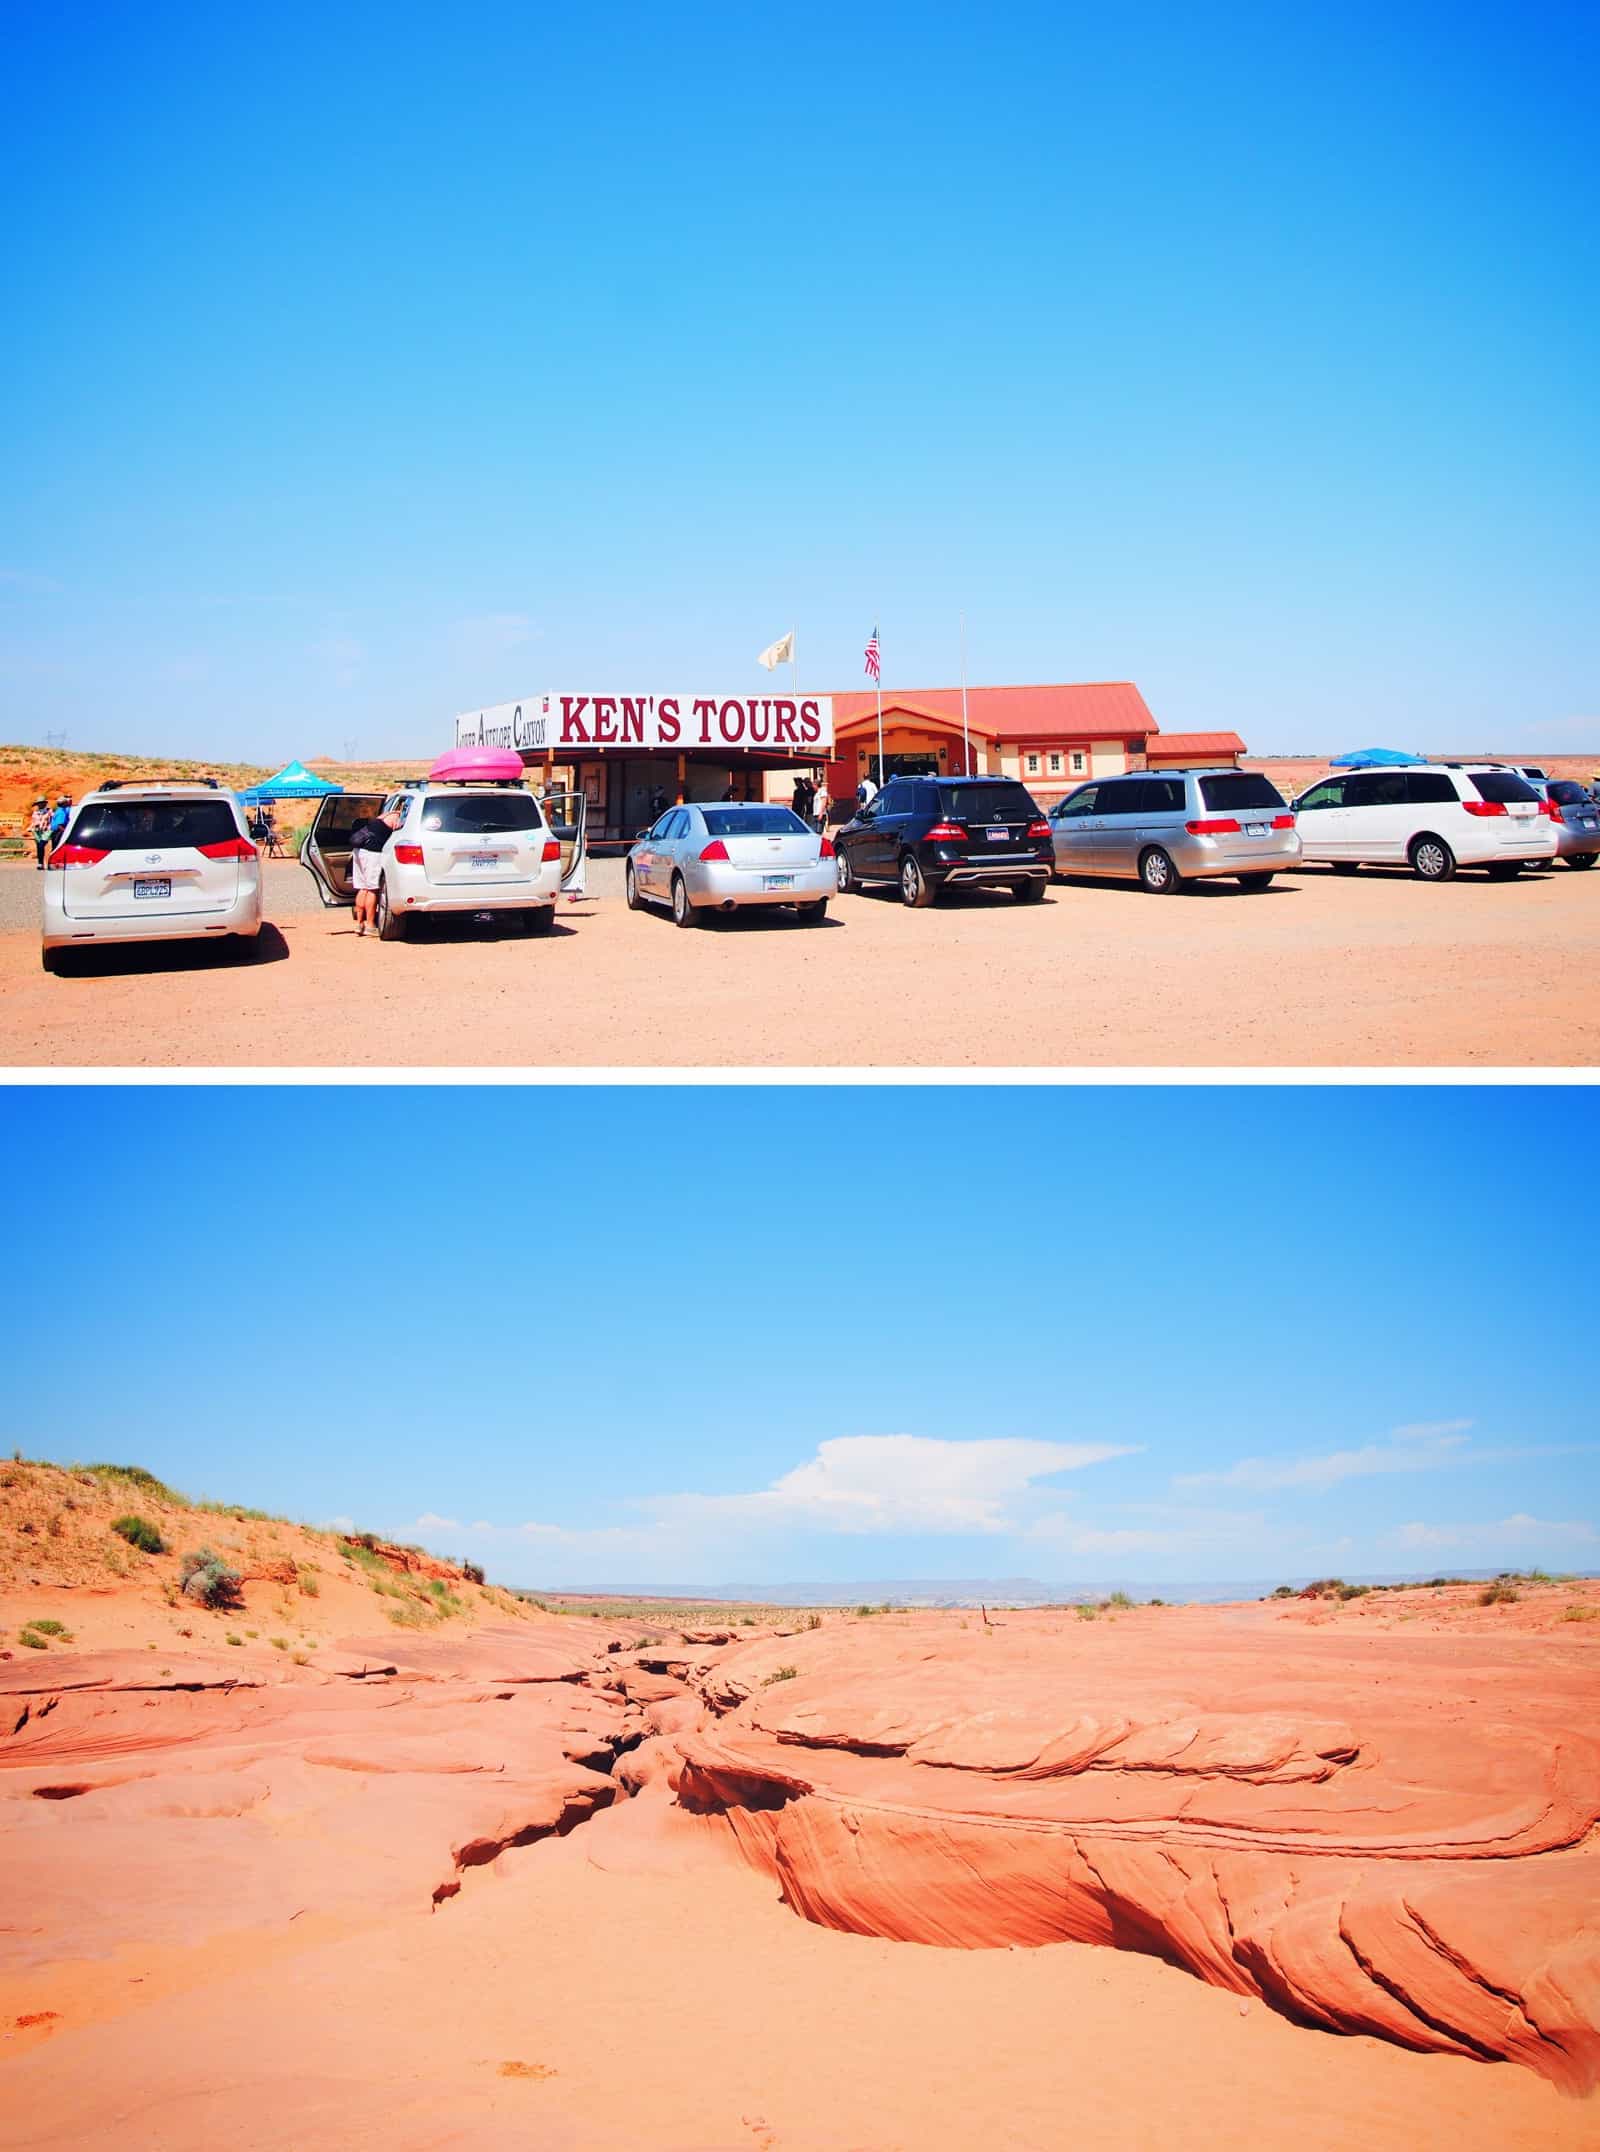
<point>1096,710</point>
<point>1197,743</point>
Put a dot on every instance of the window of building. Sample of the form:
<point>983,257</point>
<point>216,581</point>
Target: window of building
<point>1033,765</point>
<point>1080,761</point>
<point>1055,765</point>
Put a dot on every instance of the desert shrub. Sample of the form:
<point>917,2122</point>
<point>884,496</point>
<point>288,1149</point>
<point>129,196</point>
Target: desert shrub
<point>230,1638</point>
<point>1580,1614</point>
<point>1323,1588</point>
<point>1087,1612</point>
<point>207,1577</point>
<point>49,1628</point>
<point>1157,1602</point>
<point>1498,1594</point>
<point>278,1643</point>
<point>33,1640</point>
<point>812,1621</point>
<point>473,1572</point>
<point>781,1673</point>
<point>1285,1591</point>
<point>1354,1591</point>
<point>1119,1599</point>
<point>307,1581</point>
<point>141,1533</point>
<point>137,1476</point>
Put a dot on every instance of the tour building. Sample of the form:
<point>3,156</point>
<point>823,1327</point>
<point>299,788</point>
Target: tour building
<point>632,755</point>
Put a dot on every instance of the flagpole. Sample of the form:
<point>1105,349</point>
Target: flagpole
<point>877,681</point>
<point>966,744</point>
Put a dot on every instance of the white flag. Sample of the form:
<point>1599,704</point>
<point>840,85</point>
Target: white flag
<point>779,653</point>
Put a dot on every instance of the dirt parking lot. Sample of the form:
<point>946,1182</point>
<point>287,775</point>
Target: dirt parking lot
<point>1378,970</point>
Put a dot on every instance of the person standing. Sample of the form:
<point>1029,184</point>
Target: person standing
<point>801,802</point>
<point>367,841</point>
<point>60,816</point>
<point>820,805</point>
<point>39,831</point>
<point>866,791</point>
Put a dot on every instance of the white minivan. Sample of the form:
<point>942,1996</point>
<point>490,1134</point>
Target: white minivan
<point>152,862</point>
<point>1428,816</point>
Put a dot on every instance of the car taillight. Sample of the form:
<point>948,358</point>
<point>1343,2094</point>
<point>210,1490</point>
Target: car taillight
<point>76,855</point>
<point>946,833</point>
<point>714,851</point>
<point>551,852</point>
<point>1552,808</point>
<point>1283,821</point>
<point>1484,806</point>
<point>233,848</point>
<point>827,849</point>
<point>1218,826</point>
<point>408,855</point>
<point>1041,828</point>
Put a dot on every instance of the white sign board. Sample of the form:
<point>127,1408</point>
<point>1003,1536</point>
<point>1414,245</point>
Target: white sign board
<point>569,727</point>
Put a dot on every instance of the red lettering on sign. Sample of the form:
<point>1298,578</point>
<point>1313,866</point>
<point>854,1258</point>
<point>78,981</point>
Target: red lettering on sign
<point>761,722</point>
<point>633,718</point>
<point>734,732</point>
<point>572,709</point>
<point>810,722</point>
<point>667,719</point>
<point>783,724</point>
<point>605,710</point>
<point>703,708</point>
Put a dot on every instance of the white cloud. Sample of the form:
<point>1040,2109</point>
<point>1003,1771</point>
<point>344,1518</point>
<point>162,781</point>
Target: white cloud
<point>896,1483</point>
<point>1518,1531</point>
<point>1419,1446</point>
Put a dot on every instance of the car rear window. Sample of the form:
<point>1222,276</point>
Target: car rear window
<point>1003,802</point>
<point>479,814</point>
<point>1501,785</point>
<point>1239,790</point>
<point>130,825</point>
<point>753,822</point>
<point>1566,794</point>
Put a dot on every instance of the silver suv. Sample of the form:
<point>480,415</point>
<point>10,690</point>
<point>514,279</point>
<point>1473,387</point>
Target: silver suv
<point>1175,826</point>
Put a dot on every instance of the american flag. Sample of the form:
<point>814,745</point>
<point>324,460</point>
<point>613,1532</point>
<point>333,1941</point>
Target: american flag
<point>872,655</point>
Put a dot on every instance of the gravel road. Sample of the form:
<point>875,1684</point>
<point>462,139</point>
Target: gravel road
<point>1376,971</point>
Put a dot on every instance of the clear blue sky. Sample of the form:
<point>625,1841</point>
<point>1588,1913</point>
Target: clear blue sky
<point>620,1336</point>
<point>364,364</point>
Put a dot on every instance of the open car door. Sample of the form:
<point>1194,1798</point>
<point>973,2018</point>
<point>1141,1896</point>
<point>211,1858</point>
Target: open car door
<point>325,854</point>
<point>568,816</point>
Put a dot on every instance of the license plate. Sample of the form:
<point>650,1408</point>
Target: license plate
<point>1255,829</point>
<point>484,859</point>
<point>1587,821</point>
<point>155,885</point>
<point>998,836</point>
<point>778,881</point>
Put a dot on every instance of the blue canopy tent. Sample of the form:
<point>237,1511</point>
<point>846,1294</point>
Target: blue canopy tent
<point>1372,758</point>
<point>293,782</point>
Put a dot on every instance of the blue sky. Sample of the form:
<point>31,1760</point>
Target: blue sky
<point>634,1337</point>
<point>365,364</point>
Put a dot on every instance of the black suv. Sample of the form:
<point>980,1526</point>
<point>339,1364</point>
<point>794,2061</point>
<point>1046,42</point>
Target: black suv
<point>923,832</point>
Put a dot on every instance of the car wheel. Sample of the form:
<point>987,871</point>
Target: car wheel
<point>1582,859</point>
<point>845,875</point>
<point>1157,873</point>
<point>915,888</point>
<point>630,888</point>
<point>683,912</point>
<point>1347,866</point>
<point>1029,892</point>
<point>812,915</point>
<point>538,918</point>
<point>1432,859</point>
<point>1253,882</point>
<point>391,924</point>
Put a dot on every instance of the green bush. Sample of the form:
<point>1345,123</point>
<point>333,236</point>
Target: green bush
<point>782,1673</point>
<point>473,1572</point>
<point>33,1641</point>
<point>1118,1599</point>
<point>1497,1595</point>
<point>1285,1591</point>
<point>207,1577</point>
<point>141,1533</point>
<point>137,1476</point>
<point>49,1628</point>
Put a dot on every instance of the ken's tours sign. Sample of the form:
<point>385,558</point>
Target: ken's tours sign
<point>575,726</point>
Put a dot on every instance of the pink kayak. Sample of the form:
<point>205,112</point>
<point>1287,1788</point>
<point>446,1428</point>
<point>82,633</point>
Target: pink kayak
<point>477,765</point>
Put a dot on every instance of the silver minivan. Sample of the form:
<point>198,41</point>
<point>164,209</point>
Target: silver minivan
<point>1164,829</point>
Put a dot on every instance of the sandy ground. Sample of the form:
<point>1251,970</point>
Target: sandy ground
<point>628,1987</point>
<point>1375,971</point>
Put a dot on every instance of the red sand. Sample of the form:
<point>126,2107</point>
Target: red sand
<point>330,1902</point>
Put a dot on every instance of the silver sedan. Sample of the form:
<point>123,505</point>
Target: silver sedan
<point>704,859</point>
